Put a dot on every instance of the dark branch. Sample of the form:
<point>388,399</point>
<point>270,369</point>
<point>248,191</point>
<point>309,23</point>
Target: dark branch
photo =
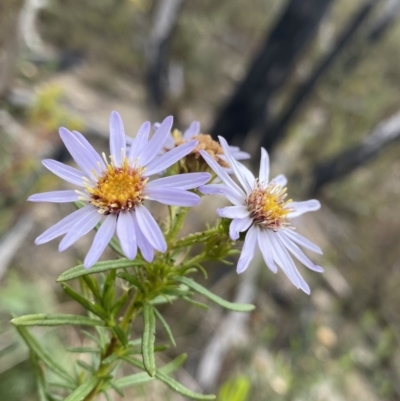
<point>270,68</point>
<point>344,163</point>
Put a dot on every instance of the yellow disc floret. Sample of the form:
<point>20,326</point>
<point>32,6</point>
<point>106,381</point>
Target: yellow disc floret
<point>118,188</point>
<point>268,208</point>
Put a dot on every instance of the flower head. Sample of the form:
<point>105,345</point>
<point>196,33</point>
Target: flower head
<point>194,161</point>
<point>115,190</point>
<point>261,208</point>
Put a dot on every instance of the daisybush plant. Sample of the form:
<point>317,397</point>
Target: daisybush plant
<point>153,263</point>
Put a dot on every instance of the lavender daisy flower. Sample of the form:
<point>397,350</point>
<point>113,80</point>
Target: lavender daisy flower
<point>260,206</point>
<point>115,190</point>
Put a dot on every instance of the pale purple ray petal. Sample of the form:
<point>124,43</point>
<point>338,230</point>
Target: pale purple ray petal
<point>303,241</point>
<point>150,229</point>
<point>80,228</point>
<point>282,259</point>
<point>93,154</point>
<point>298,253</point>
<point>303,207</point>
<point>265,247</point>
<point>126,234</point>
<point>83,158</point>
<point>264,167</point>
<point>222,174</point>
<point>248,174</point>
<point>62,226</point>
<point>153,147</point>
<point>194,129</point>
<point>169,158</point>
<point>172,196</point>
<point>181,181</point>
<point>169,143</point>
<point>286,258</point>
<point>233,212</point>
<point>244,180</point>
<point>239,225</point>
<point>239,154</point>
<point>55,196</point>
<point>248,250</point>
<point>101,240</point>
<point>221,189</point>
<point>145,247</point>
<point>140,141</point>
<point>65,172</point>
<point>117,139</point>
<point>280,180</point>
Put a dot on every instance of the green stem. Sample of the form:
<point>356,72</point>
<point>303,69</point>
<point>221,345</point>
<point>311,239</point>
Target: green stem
<point>195,238</point>
<point>176,222</point>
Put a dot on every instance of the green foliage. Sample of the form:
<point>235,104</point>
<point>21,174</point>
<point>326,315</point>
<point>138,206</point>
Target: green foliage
<point>236,389</point>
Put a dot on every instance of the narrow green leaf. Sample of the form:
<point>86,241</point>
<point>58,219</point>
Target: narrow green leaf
<point>86,366</point>
<point>84,350</point>
<point>196,303</point>
<point>87,304</point>
<point>92,337</point>
<point>40,380</point>
<point>92,284</point>
<point>84,389</point>
<point>163,299</point>
<point>149,336</point>
<point>109,290</point>
<point>55,319</point>
<point>116,388</point>
<point>120,302</point>
<point>98,267</point>
<point>121,335</point>
<point>215,298</point>
<point>131,280</point>
<point>46,358</point>
<point>166,326</point>
<point>179,388</point>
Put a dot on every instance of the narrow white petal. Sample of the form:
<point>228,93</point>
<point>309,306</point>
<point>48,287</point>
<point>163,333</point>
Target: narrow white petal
<point>181,181</point>
<point>280,180</point>
<point>139,142</point>
<point>150,229</point>
<point>65,172</point>
<point>101,240</point>
<point>55,196</point>
<point>281,259</point>
<point>153,147</point>
<point>303,207</point>
<point>244,179</point>
<point>63,225</point>
<point>303,241</point>
<point>239,225</point>
<point>117,138</point>
<point>222,174</point>
<point>233,212</point>
<point>145,247</point>
<point>265,247</point>
<point>194,129</point>
<point>127,234</point>
<point>81,227</point>
<point>169,158</point>
<point>248,250</point>
<point>297,252</point>
<point>172,196</point>
<point>264,167</point>
<point>221,189</point>
<point>285,257</point>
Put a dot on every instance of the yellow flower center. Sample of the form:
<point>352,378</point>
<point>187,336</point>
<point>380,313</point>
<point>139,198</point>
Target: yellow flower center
<point>118,188</point>
<point>267,206</point>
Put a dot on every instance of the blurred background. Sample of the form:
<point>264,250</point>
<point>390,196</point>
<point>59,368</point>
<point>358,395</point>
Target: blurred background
<point>316,82</point>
